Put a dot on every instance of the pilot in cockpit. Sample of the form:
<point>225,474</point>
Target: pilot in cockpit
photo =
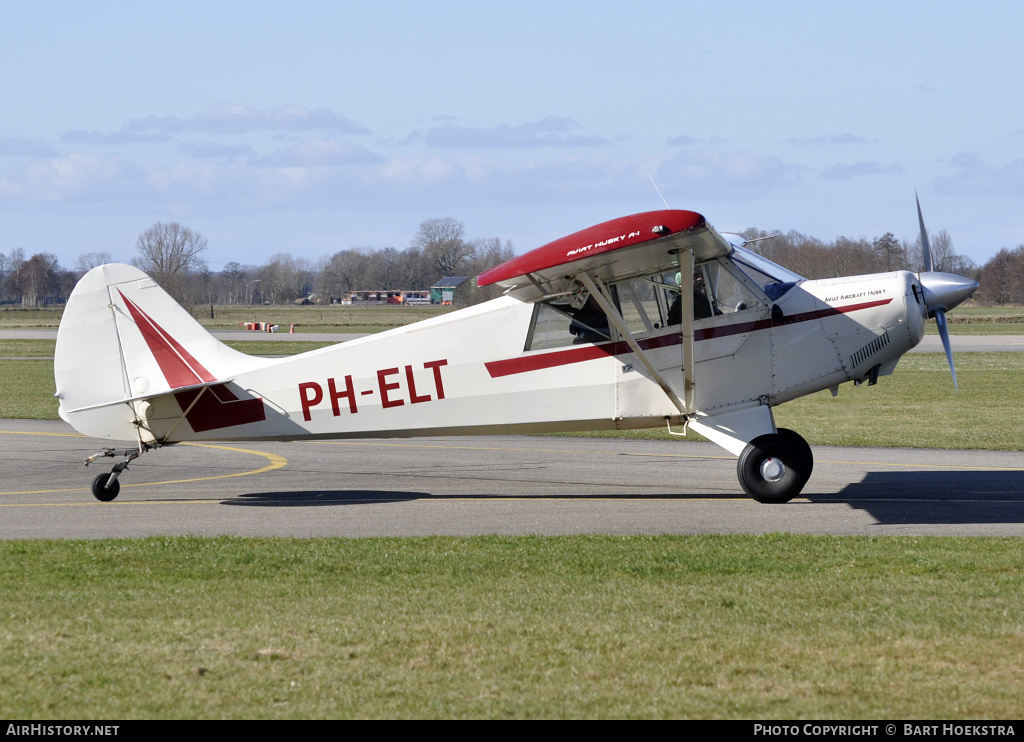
<point>702,308</point>
<point>589,323</point>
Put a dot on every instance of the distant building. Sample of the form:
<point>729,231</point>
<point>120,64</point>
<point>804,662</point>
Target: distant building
<point>450,290</point>
<point>383,297</point>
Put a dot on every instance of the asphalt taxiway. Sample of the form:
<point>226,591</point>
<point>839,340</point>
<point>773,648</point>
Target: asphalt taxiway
<point>489,485</point>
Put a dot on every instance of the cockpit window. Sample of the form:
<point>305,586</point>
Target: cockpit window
<point>644,303</point>
<point>725,292</point>
<point>649,304</point>
<point>567,321</point>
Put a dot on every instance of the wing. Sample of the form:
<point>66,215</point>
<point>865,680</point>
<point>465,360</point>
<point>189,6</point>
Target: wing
<point>634,245</point>
<point>639,245</point>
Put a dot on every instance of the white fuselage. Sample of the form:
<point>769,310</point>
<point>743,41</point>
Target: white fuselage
<point>467,372</point>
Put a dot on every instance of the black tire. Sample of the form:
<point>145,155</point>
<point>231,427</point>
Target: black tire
<point>786,447</point>
<point>103,493</point>
<point>802,448</point>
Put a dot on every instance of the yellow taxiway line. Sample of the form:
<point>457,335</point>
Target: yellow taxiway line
<point>276,462</point>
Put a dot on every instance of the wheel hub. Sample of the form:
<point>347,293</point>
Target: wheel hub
<point>772,469</point>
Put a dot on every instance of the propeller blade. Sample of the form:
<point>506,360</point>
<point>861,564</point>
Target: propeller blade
<point>941,291</point>
<point>926,251</point>
<point>940,321</point>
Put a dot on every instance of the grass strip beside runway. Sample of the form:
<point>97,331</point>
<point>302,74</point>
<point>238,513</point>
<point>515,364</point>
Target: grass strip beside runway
<point>767,627</point>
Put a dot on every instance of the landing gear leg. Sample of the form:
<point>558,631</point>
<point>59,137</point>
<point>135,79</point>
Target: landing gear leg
<point>105,486</point>
<point>774,468</point>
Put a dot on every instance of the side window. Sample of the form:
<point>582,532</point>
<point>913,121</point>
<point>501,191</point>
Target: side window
<point>643,303</point>
<point>715,292</point>
<point>647,304</point>
<point>725,292</point>
<point>559,323</point>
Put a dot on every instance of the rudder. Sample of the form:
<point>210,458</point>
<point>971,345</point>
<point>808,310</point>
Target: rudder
<point>122,340</point>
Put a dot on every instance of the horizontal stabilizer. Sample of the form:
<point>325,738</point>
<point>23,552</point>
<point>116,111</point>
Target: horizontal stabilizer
<point>151,395</point>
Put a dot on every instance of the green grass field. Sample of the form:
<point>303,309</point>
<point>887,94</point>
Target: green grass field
<point>765,627</point>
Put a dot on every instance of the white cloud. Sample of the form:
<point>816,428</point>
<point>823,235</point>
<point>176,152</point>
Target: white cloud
<point>681,141</point>
<point>715,174</point>
<point>974,176</point>
<point>858,169</point>
<point>17,147</point>
<point>80,136</point>
<point>832,139</point>
<point>552,131</point>
<point>237,119</point>
<point>212,149</point>
<point>319,153</point>
<point>73,179</point>
<point>242,174</point>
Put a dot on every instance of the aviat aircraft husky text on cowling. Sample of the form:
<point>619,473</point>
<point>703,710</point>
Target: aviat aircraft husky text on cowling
<point>648,320</point>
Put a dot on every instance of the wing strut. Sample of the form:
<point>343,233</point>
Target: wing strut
<point>686,301</point>
<point>596,290</point>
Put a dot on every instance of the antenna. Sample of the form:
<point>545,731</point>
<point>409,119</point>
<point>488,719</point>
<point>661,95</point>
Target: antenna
<point>659,191</point>
<point>754,239</point>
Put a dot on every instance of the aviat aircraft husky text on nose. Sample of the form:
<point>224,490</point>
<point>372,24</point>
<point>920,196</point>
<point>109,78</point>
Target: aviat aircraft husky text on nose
<point>648,320</point>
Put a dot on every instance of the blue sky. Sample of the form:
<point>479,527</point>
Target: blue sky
<point>312,127</point>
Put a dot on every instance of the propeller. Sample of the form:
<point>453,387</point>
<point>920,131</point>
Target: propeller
<point>941,291</point>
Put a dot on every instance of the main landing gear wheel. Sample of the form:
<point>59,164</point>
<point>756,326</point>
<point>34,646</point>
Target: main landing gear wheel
<point>774,468</point>
<point>101,491</point>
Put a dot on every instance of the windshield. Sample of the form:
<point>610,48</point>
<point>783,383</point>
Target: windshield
<point>773,278</point>
<point>751,261</point>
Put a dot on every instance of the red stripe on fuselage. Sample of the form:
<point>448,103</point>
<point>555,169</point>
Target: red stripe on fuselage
<point>523,364</point>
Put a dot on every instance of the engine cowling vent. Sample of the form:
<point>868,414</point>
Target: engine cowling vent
<point>869,350</point>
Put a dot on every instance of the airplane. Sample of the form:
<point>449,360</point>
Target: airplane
<point>649,320</point>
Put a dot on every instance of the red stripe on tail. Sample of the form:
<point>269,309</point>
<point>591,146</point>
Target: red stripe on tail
<point>177,364</point>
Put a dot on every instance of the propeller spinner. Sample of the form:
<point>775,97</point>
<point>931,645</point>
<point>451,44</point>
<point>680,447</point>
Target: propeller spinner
<point>941,291</point>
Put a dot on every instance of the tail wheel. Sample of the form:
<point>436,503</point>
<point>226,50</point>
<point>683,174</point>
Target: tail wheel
<point>101,491</point>
<point>774,468</point>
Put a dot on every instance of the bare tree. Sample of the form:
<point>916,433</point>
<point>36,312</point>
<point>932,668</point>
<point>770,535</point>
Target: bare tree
<point>169,253</point>
<point>942,250</point>
<point>169,249</point>
<point>890,252</point>
<point>303,278</point>
<point>415,270</point>
<point>232,283</point>
<point>277,278</point>
<point>5,268</point>
<point>487,253</point>
<point>39,279</point>
<point>1001,279</point>
<point>442,241</point>
<point>90,260</point>
<point>12,278</point>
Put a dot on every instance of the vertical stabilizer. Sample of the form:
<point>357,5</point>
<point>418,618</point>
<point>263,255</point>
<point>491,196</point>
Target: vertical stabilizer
<point>123,339</point>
